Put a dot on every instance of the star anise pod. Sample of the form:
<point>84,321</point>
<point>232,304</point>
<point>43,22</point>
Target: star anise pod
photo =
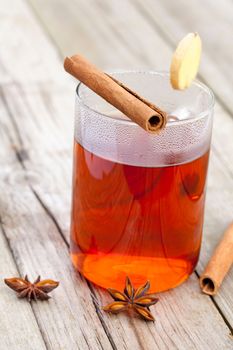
<point>131,299</point>
<point>38,290</point>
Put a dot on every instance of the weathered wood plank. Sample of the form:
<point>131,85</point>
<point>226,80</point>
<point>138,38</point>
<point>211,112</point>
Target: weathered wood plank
<point>69,319</point>
<point>34,239</point>
<point>126,329</point>
<point>18,326</point>
<point>14,26</point>
<point>43,133</point>
<point>218,215</point>
<point>142,41</point>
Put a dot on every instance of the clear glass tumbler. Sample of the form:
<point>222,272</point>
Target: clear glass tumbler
<point>138,198</point>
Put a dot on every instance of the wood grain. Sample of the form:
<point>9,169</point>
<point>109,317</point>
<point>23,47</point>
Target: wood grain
<point>38,248</point>
<point>142,35</point>
<point>18,326</point>
<point>52,171</point>
<point>36,136</point>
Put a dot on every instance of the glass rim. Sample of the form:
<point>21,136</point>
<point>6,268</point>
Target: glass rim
<point>128,121</point>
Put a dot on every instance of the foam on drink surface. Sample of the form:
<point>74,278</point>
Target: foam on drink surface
<point>111,135</point>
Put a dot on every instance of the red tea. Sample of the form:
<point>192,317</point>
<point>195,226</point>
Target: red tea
<point>141,222</point>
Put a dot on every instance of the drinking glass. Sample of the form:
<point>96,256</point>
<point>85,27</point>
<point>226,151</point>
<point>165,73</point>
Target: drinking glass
<point>138,198</point>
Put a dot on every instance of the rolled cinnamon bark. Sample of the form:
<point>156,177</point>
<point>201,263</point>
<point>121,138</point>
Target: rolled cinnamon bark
<point>144,113</point>
<point>219,264</point>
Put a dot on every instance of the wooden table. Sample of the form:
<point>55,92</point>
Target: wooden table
<point>36,119</point>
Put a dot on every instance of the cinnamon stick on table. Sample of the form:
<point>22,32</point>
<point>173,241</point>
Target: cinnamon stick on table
<point>219,264</point>
<point>144,113</point>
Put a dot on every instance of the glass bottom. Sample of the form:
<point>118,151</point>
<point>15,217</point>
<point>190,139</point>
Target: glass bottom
<point>110,271</point>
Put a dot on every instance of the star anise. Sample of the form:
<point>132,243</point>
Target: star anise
<point>131,299</point>
<point>38,290</point>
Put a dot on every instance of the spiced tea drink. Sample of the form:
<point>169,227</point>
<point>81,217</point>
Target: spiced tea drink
<point>138,198</point>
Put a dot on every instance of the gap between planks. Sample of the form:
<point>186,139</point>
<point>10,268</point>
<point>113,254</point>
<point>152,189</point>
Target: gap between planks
<point>18,271</point>
<point>19,152</point>
<point>20,160</point>
<point>170,43</point>
<point>218,307</point>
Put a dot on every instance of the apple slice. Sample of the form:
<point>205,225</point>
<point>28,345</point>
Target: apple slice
<point>185,61</point>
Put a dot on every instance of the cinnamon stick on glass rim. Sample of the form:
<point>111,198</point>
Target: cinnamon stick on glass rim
<point>219,264</point>
<point>144,113</point>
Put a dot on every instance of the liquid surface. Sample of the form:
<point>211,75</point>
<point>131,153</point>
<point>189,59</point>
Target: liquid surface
<point>141,222</point>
